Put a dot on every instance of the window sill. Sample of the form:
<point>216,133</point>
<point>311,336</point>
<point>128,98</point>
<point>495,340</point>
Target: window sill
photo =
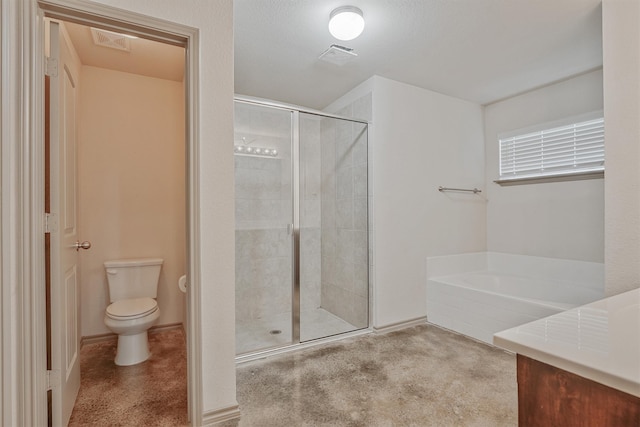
<point>551,178</point>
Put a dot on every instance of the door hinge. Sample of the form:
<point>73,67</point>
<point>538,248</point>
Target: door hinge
<point>53,379</point>
<point>50,223</point>
<point>51,67</point>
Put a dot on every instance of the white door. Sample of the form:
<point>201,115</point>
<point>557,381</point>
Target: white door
<point>65,331</point>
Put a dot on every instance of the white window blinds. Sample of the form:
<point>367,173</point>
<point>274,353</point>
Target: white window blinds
<point>573,148</point>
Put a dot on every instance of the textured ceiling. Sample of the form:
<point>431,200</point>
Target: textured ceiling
<point>146,57</point>
<point>479,50</point>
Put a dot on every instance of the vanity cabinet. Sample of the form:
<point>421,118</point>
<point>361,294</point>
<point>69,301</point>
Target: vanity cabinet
<point>580,367</point>
<point>549,396</point>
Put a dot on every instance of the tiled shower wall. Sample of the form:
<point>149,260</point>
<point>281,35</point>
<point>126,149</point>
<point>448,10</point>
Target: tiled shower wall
<point>263,244</point>
<point>310,190</point>
<point>263,210</point>
<point>344,235</point>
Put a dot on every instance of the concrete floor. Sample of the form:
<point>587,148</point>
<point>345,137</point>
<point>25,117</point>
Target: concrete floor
<point>151,393</point>
<point>420,376</point>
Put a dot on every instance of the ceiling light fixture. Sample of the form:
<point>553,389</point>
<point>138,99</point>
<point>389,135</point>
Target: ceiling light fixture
<point>346,23</point>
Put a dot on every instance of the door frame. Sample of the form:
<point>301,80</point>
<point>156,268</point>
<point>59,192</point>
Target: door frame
<point>29,407</point>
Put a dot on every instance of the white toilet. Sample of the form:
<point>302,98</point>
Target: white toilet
<point>133,287</point>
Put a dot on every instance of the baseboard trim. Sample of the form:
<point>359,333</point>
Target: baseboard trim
<point>211,418</point>
<point>470,338</point>
<point>400,325</point>
<point>92,339</point>
<point>167,327</point>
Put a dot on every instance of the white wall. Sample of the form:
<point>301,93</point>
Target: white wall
<point>423,140</point>
<point>621,54</point>
<point>131,190</point>
<point>214,20</point>
<point>419,140</point>
<point>559,219</point>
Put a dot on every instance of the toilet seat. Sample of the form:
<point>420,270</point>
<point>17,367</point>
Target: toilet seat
<point>134,308</point>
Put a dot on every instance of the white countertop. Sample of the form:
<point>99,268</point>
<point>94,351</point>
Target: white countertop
<point>599,341</point>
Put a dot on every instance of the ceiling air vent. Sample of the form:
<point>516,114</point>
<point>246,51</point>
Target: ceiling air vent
<point>338,55</point>
<point>110,39</point>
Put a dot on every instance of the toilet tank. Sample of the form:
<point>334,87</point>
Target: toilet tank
<point>133,278</point>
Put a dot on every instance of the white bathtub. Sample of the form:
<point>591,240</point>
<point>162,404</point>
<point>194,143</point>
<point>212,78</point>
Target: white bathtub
<point>484,293</point>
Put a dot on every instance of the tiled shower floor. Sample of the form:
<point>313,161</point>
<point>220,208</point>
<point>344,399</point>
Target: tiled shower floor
<point>262,333</point>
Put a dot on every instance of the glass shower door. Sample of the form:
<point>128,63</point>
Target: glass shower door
<point>334,249</point>
<point>263,234</point>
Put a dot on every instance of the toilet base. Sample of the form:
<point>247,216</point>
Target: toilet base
<point>132,349</point>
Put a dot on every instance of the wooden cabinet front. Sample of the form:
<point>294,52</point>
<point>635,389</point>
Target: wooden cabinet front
<point>549,396</point>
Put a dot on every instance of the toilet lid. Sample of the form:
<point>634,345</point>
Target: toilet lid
<point>132,308</point>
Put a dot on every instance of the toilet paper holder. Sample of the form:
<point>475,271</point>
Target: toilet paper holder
<point>182,283</point>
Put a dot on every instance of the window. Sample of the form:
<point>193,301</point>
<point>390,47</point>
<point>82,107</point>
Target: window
<point>561,150</point>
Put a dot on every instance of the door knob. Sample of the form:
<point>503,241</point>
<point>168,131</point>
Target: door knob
<point>84,245</point>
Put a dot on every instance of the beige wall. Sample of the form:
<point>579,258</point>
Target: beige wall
<point>214,21</point>
<point>621,55</point>
<point>131,190</point>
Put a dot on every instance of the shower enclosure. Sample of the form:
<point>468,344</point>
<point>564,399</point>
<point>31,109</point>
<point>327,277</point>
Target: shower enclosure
<point>301,225</point>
